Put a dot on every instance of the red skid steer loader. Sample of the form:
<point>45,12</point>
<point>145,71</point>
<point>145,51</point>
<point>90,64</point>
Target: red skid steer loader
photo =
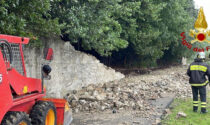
<point>21,101</point>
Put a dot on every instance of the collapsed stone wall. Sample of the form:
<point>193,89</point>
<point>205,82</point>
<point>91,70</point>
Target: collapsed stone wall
<point>135,92</point>
<point>71,69</point>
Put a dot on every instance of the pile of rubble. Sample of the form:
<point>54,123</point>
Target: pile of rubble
<point>133,92</point>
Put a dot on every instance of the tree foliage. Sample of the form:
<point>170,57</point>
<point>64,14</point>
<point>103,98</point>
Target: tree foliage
<point>29,18</point>
<point>149,29</point>
<point>131,32</point>
<point>142,29</point>
<point>91,23</point>
<point>178,16</point>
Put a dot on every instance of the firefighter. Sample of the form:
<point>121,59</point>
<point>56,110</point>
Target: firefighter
<point>197,71</point>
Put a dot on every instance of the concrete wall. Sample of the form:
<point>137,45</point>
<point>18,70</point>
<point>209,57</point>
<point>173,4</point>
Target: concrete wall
<point>71,69</point>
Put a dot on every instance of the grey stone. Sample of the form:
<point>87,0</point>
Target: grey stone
<point>101,96</point>
<point>181,114</point>
<point>103,108</point>
<point>90,88</point>
<point>82,102</point>
<point>87,98</point>
<point>73,103</point>
<point>72,97</point>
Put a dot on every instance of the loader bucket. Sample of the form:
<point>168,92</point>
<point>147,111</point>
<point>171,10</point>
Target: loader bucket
<point>64,114</point>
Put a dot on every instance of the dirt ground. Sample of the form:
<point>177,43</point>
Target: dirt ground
<point>156,90</point>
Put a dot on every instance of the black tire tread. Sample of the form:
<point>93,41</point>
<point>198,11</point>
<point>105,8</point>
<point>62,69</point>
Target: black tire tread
<point>14,118</point>
<point>39,112</point>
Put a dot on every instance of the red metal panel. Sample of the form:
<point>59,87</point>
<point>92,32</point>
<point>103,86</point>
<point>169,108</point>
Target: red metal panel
<point>17,81</point>
<point>60,108</point>
<point>5,92</point>
<point>27,98</point>
<point>49,54</point>
<point>14,39</point>
<point>24,107</point>
<point>25,103</point>
<point>22,57</point>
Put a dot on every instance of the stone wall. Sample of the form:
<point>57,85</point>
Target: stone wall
<point>71,69</point>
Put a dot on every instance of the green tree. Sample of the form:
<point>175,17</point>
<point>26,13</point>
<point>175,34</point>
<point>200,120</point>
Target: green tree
<point>91,23</point>
<point>153,30</point>
<point>178,16</point>
<point>27,18</point>
<point>141,27</point>
<point>150,29</point>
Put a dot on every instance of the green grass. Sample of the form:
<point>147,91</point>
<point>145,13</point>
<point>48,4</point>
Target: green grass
<point>185,105</point>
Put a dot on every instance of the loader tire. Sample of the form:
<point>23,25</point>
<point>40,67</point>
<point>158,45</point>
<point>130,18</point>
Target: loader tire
<point>43,113</point>
<point>16,118</point>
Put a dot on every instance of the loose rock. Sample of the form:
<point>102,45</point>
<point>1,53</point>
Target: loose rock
<point>181,114</point>
<point>133,92</point>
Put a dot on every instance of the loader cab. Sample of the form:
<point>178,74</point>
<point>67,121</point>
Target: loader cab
<point>11,48</point>
<point>12,51</point>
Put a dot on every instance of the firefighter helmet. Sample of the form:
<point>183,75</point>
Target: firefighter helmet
<point>201,55</point>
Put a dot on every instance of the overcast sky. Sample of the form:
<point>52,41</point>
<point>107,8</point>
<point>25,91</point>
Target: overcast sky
<point>206,6</point>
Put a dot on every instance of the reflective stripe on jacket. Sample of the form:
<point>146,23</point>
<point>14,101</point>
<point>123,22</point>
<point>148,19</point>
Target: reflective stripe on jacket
<point>198,71</point>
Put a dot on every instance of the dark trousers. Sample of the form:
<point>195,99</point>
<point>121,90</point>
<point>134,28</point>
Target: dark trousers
<point>202,92</point>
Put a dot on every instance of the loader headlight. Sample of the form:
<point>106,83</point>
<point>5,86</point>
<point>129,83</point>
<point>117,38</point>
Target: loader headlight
<point>46,69</point>
<point>67,115</point>
<point>67,108</point>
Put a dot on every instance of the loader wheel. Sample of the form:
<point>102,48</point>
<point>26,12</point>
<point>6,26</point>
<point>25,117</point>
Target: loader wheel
<point>43,113</point>
<point>16,118</point>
